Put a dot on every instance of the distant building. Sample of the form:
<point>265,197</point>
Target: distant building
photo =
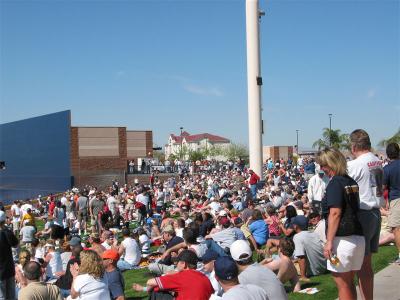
<point>277,152</point>
<point>194,142</point>
<point>46,154</point>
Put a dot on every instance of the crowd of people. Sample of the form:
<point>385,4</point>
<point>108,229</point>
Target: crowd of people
<point>221,233</point>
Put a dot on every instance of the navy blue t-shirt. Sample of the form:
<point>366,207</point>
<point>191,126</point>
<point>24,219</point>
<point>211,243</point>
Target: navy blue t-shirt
<point>391,178</point>
<point>115,282</point>
<point>335,196</point>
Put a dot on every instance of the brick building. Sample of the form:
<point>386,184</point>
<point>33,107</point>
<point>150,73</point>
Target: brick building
<point>277,152</point>
<point>102,153</point>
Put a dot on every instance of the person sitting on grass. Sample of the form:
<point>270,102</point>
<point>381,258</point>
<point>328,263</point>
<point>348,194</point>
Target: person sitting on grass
<point>253,273</point>
<point>308,249</point>
<point>112,275</point>
<point>129,251</point>
<point>226,273</point>
<point>187,283</point>
<point>164,264</point>
<point>284,267</point>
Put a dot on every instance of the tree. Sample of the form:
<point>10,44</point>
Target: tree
<point>394,139</point>
<point>236,151</point>
<point>333,138</point>
<point>196,155</point>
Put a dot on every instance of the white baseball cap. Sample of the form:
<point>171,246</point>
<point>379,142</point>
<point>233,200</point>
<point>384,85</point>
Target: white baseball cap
<point>240,250</point>
<point>222,213</point>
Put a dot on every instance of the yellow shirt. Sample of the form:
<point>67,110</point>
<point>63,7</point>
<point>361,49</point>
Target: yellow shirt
<point>30,218</point>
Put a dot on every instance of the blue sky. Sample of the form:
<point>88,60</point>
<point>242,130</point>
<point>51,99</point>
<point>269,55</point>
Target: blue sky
<point>160,65</point>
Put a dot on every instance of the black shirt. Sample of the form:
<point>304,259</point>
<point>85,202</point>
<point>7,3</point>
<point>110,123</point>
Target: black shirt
<point>65,281</point>
<point>7,240</point>
<point>336,196</point>
<point>173,242</point>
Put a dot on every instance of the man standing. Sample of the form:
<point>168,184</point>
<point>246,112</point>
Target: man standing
<point>366,170</point>
<point>82,206</point>
<point>391,181</point>
<point>316,190</point>
<point>16,215</point>
<point>254,179</point>
<point>7,267</point>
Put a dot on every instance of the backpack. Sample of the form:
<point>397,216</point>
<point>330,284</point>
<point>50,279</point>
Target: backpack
<point>349,223</point>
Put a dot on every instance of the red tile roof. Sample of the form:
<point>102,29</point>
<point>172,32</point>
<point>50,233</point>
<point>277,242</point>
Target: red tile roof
<point>198,137</point>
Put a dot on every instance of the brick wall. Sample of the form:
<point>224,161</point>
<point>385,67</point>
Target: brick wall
<point>100,171</point>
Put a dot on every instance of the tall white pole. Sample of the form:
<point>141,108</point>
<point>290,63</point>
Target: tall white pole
<point>254,82</point>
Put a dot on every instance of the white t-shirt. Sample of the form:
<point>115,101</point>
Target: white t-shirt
<point>367,171</point>
<point>145,242</point>
<point>63,200</point>
<point>106,245</point>
<point>132,253</point>
<point>90,288</point>
<point>55,264</point>
<point>142,199</point>
<point>112,204</point>
<point>17,212</point>
<point>316,188</point>
<point>25,207</point>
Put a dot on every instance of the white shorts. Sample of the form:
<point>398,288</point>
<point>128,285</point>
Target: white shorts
<point>350,251</point>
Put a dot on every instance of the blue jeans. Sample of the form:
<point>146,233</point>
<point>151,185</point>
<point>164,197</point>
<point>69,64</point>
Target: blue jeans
<point>211,244</point>
<point>65,293</point>
<point>124,265</point>
<point>7,289</point>
<point>253,190</point>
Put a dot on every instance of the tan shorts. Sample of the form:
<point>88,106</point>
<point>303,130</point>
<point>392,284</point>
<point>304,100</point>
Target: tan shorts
<point>394,213</point>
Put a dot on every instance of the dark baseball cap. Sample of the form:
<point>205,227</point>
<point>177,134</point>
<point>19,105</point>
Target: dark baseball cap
<point>210,255</point>
<point>300,221</point>
<point>75,241</point>
<point>225,268</point>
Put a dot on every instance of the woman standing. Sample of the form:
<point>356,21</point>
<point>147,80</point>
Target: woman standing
<point>345,244</point>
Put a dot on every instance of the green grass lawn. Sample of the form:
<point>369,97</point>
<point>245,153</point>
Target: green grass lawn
<point>324,283</point>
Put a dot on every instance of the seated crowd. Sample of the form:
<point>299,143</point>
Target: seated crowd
<point>215,235</point>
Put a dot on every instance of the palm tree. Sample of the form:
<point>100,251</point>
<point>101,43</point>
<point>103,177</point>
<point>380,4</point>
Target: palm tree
<point>333,138</point>
<point>394,139</point>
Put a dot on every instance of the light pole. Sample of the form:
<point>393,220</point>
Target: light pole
<point>181,128</point>
<point>330,130</point>
<point>297,141</point>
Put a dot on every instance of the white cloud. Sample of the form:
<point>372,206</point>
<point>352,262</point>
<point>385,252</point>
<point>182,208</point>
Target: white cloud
<point>204,91</point>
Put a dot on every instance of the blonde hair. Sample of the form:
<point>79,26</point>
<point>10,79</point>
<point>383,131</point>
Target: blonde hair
<point>24,257</point>
<point>91,263</point>
<point>334,159</point>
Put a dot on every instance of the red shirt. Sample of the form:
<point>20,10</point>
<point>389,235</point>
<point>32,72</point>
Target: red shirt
<point>188,284</point>
<point>254,178</point>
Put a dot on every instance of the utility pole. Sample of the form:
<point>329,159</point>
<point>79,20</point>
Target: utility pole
<point>330,130</point>
<point>181,128</point>
<point>254,83</point>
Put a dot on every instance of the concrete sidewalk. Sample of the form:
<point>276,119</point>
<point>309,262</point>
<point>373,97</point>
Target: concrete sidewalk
<point>387,284</point>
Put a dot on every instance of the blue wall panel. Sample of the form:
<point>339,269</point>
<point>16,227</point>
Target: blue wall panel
<point>37,156</point>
